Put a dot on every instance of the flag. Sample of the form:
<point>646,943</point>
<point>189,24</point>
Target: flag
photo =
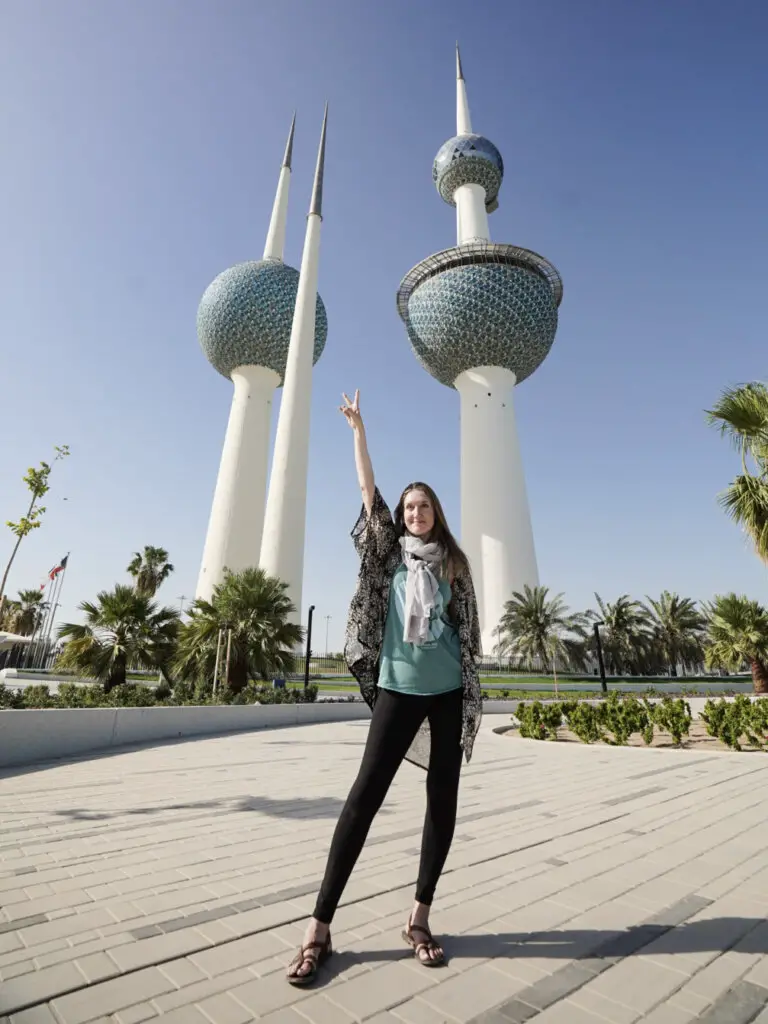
<point>62,565</point>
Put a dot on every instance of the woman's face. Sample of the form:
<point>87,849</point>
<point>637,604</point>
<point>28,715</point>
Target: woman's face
<point>418,514</point>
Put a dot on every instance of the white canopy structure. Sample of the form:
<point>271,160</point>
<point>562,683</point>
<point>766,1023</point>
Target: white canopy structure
<point>8,640</point>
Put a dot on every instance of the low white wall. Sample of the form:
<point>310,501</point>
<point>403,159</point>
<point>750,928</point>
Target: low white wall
<point>31,737</point>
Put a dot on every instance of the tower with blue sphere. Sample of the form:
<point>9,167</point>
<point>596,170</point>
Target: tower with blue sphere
<point>244,325</point>
<point>481,317</point>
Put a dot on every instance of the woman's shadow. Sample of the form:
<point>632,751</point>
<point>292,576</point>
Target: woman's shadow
<point>715,935</point>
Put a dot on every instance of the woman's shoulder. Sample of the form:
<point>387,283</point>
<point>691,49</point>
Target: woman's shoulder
<point>457,571</point>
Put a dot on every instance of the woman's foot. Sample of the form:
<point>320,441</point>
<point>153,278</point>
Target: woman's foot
<point>418,936</point>
<point>314,951</point>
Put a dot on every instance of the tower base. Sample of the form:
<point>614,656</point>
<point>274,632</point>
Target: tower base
<point>235,527</point>
<point>496,532</point>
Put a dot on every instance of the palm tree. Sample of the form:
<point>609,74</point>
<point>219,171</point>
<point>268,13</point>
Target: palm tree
<point>150,569</point>
<point>738,635</point>
<point>626,636</point>
<point>9,616</point>
<point>677,630</point>
<point>537,626</point>
<point>123,630</point>
<point>256,608</point>
<point>741,414</point>
<point>31,608</point>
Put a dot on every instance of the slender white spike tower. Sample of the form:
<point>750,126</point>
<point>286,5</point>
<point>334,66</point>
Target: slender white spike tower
<point>244,324</point>
<point>282,547</point>
<point>481,317</point>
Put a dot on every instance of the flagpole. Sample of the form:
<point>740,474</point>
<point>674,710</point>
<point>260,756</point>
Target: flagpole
<point>36,634</point>
<point>41,634</point>
<point>40,653</point>
<point>60,578</point>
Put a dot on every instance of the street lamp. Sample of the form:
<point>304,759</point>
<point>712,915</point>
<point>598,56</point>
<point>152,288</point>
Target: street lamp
<point>327,623</point>
<point>309,646</point>
<point>601,663</point>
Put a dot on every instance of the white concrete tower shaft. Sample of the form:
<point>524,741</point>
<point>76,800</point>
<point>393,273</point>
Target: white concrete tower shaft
<point>282,548</point>
<point>471,214</point>
<point>496,530</point>
<point>233,540</point>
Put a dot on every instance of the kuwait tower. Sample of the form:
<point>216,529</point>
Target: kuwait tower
<point>481,317</point>
<point>245,323</point>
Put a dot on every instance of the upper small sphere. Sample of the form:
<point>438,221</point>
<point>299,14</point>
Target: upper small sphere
<point>468,160</point>
<point>246,314</point>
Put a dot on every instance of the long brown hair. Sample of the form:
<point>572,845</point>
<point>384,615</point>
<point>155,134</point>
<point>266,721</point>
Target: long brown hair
<point>440,533</point>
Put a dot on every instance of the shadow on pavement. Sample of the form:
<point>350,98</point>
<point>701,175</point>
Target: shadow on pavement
<point>716,935</point>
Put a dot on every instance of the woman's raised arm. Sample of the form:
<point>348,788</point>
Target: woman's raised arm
<point>351,412</point>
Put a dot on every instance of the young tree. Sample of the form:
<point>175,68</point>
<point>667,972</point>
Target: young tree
<point>37,485</point>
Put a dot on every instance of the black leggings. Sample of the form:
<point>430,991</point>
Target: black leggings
<point>396,720</point>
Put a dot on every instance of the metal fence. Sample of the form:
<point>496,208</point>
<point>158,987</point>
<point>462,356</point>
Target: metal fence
<point>40,657</point>
<point>333,666</point>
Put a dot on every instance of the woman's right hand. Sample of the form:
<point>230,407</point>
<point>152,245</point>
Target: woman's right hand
<point>351,411</point>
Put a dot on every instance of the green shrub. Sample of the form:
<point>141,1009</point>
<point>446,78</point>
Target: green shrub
<point>674,716</point>
<point>73,696</point>
<point>132,695</point>
<point>741,718</point>
<point>539,721</point>
<point>623,717</point>
<point>39,696</point>
<point>267,695</point>
<point>10,698</point>
<point>585,720</point>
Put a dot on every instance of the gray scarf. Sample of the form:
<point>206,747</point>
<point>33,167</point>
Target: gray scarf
<point>423,561</point>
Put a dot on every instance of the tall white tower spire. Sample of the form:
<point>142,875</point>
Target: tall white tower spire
<point>282,549</point>
<point>273,250</point>
<point>470,199</point>
<point>244,325</point>
<point>463,120</point>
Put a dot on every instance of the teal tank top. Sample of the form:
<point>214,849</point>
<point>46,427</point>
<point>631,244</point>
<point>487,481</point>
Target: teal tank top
<point>420,669</point>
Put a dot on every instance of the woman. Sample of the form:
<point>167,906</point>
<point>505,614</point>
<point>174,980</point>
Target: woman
<point>412,642</point>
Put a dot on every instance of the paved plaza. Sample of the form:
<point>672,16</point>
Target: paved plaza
<point>586,884</point>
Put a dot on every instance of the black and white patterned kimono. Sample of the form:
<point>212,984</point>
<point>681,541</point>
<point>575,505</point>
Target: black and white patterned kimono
<point>378,545</point>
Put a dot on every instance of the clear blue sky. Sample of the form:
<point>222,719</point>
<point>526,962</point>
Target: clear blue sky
<point>141,144</point>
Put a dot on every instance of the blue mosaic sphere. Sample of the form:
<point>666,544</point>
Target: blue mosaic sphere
<point>484,314</point>
<point>468,160</point>
<point>246,314</point>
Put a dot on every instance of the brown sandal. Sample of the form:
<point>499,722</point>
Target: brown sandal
<point>429,946</point>
<point>306,955</point>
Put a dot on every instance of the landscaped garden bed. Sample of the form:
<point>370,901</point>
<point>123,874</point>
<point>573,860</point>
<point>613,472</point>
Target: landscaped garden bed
<point>740,724</point>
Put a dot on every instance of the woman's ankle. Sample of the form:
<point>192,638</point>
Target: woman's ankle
<point>318,928</point>
<point>420,913</point>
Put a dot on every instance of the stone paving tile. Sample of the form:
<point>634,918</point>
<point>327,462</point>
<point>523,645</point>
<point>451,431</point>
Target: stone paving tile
<point>37,1015</point>
<point>123,867</point>
<point>111,996</point>
<point>136,1014</point>
<point>223,1009</point>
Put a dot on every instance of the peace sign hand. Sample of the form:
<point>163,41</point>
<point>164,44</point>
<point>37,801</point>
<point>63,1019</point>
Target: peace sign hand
<point>351,411</point>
